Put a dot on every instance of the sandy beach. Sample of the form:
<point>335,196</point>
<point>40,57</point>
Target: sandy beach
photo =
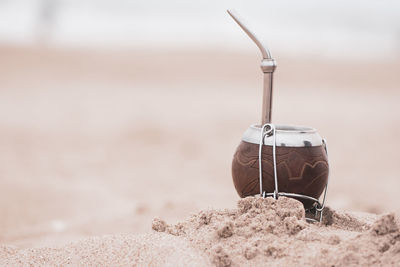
<point>259,231</point>
<point>96,144</point>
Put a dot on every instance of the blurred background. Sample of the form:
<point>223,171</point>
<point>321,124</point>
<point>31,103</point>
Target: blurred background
<point>114,112</point>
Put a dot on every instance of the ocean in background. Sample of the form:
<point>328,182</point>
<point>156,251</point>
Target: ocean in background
<point>358,29</point>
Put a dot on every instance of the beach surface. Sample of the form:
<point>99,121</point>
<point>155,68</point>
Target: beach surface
<point>97,144</point>
<point>259,231</point>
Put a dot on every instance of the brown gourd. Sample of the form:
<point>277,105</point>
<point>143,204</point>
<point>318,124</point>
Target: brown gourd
<point>301,160</point>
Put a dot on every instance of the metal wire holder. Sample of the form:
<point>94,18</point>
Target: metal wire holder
<point>317,208</point>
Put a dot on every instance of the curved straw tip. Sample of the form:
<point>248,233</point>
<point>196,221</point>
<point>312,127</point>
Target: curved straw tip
<point>264,51</point>
<point>230,11</point>
<point>234,14</point>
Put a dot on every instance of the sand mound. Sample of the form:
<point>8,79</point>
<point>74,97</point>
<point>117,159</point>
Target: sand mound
<point>264,231</point>
<point>259,231</point>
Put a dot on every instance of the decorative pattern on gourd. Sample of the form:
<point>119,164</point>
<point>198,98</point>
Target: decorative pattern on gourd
<point>301,170</point>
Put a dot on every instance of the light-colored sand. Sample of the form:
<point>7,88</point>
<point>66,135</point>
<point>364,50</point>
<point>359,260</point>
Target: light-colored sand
<point>263,231</point>
<point>99,143</point>
<point>117,250</point>
<point>258,232</point>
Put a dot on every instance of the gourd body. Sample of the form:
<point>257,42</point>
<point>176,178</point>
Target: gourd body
<point>301,161</point>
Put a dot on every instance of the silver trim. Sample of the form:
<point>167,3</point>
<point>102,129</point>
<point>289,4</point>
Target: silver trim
<point>286,135</point>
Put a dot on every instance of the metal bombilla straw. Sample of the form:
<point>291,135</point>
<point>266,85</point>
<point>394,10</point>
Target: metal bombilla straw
<point>268,66</point>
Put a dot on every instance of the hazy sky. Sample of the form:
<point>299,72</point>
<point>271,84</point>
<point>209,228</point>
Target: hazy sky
<point>358,29</point>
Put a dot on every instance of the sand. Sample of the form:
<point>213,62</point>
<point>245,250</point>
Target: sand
<point>117,250</point>
<point>263,231</point>
<point>95,144</point>
<point>258,232</point>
